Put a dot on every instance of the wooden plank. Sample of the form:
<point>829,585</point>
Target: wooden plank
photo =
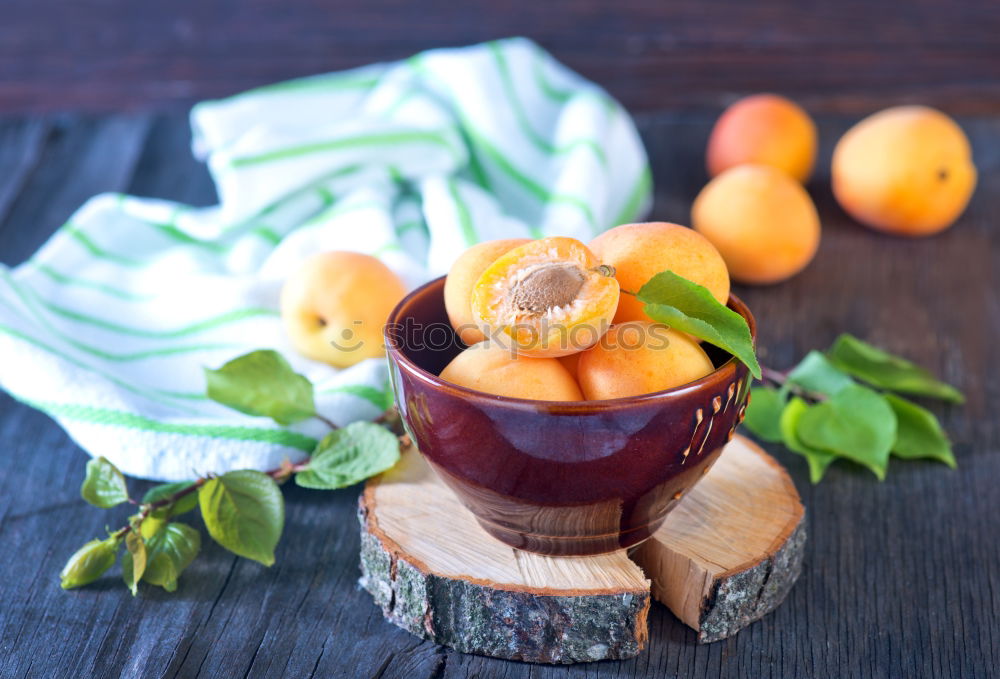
<point>82,157</point>
<point>897,578</point>
<point>21,142</point>
<point>846,56</point>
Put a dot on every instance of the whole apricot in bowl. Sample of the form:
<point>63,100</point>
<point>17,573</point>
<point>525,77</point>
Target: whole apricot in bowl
<point>640,357</point>
<point>640,251</point>
<point>494,369</point>
<point>906,170</point>
<point>763,129</point>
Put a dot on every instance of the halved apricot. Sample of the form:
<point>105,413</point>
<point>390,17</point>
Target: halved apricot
<point>549,297</point>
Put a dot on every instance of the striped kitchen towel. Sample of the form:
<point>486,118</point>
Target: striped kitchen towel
<point>107,327</point>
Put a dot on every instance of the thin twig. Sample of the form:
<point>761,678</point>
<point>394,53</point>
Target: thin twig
<point>781,379</point>
<point>327,421</point>
<point>278,474</point>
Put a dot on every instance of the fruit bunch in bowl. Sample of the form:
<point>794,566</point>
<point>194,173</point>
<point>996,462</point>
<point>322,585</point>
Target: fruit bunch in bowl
<point>557,320</point>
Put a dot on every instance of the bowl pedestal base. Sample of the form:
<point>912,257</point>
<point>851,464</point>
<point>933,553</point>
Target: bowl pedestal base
<point>724,557</point>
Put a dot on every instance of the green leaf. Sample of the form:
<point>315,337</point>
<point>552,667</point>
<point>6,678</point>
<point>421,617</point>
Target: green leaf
<point>245,513</point>
<point>691,308</point>
<point>104,486</point>
<point>815,373</point>
<point>883,370</point>
<point>165,490</point>
<point>89,563</point>
<point>856,423</point>
<point>168,553</point>
<point>151,525</point>
<point>763,416</point>
<point>133,561</point>
<point>818,460</point>
<point>918,433</point>
<point>262,383</point>
<point>349,455</point>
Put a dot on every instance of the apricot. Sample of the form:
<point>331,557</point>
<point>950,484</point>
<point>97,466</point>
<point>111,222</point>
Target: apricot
<point>492,368</point>
<point>463,276</point>
<point>906,170</point>
<point>761,220</point>
<point>640,357</point>
<point>335,306</point>
<point>640,251</point>
<point>763,129</point>
<point>548,297</point>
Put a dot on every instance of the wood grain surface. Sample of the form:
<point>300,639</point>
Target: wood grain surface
<point>900,577</point>
<point>850,55</point>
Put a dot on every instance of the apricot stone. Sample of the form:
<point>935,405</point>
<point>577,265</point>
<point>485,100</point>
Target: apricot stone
<point>640,251</point>
<point>463,276</point>
<point>906,170</point>
<point>548,297</point>
<point>762,222</point>
<point>638,358</point>
<point>492,368</point>
<point>763,129</point>
<point>335,306</point>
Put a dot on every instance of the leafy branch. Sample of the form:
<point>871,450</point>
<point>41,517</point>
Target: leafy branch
<point>846,403</point>
<point>243,510</point>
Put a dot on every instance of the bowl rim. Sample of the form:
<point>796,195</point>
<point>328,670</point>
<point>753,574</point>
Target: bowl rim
<point>719,376</point>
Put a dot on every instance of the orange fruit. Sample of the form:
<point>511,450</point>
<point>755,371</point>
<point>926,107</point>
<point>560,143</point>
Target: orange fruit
<point>491,368</point>
<point>906,170</point>
<point>761,220</point>
<point>763,129</point>
<point>640,251</point>
<point>638,358</point>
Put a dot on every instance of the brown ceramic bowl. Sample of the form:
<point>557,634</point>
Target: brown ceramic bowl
<point>561,478</point>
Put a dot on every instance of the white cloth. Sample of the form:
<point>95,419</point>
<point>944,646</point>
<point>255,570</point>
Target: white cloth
<point>108,326</point>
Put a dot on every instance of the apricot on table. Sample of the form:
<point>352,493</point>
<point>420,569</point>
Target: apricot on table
<point>906,170</point>
<point>492,368</point>
<point>463,276</point>
<point>763,129</point>
<point>761,220</point>
<point>640,357</point>
<point>335,306</point>
<point>640,251</point>
<point>548,297</point>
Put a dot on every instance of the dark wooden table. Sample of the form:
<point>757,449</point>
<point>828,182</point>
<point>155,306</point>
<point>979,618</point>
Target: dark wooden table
<point>109,55</point>
<point>902,578</point>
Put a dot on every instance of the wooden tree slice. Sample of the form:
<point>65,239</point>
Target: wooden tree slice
<point>726,555</point>
<point>732,549</point>
<point>437,574</point>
